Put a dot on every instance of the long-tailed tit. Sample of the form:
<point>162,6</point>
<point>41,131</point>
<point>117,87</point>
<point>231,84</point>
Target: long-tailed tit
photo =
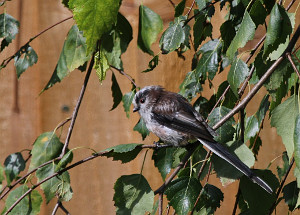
<point>173,119</point>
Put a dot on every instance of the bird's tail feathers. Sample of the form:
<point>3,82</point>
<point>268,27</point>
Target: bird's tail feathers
<point>223,153</point>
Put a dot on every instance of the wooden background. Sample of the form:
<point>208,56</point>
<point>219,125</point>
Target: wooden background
<point>24,115</point>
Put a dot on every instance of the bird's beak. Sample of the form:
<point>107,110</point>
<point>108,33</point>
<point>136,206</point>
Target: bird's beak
<point>135,109</point>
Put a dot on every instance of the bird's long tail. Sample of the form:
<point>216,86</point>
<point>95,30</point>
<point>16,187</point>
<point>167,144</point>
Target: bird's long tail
<point>223,153</point>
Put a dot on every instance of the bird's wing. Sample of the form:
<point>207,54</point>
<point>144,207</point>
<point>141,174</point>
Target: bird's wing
<point>182,119</point>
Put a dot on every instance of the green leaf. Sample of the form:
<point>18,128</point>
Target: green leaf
<point>180,8</point>
<point>284,122</point>
<point>59,185</point>
<point>291,194</point>
<point>123,152</point>
<point>225,171</point>
<point>94,18</point>
<point>237,74</point>
<point>175,35</point>
<point>133,195</point>
<point>258,199</point>
<point>13,165</point>
<point>9,28</point>
<point>65,3</point>
<point>285,166</point>
<point>209,61</point>
<point>127,101</point>
<point>152,64</point>
<point>46,147</point>
<point>115,43</point>
<point>263,108</point>
<point>227,32</point>
<point>67,158</point>
<point>297,141</point>
<point>150,25</point>
<point>251,127</point>
<point>230,98</point>
<point>101,65</point>
<point>255,144</point>
<point>245,33</point>
<point>226,131</point>
<point>279,29</point>
<point>116,92</point>
<point>163,160</point>
<point>72,56</point>
<point>190,86</point>
<point>199,157</point>
<point>202,29</point>
<point>141,128</point>
<point>25,58</point>
<point>30,205</point>
<point>211,198</point>
<point>297,175</point>
<point>258,13</point>
<point>182,194</point>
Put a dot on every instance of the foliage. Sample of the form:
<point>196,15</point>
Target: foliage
<point>102,34</point>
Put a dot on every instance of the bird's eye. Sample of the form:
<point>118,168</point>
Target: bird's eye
<point>142,101</point>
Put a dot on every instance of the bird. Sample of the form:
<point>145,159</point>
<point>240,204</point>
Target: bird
<point>174,120</point>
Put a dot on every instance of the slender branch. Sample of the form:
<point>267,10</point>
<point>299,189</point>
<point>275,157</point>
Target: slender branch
<point>242,89</point>
<point>293,65</point>
<point>76,109</point>
<point>63,122</point>
<point>172,3</point>
<point>25,176</point>
<point>160,204</point>
<point>7,60</point>
<point>52,176</point>
<point>260,83</point>
<point>125,74</point>
<point>190,9</point>
<point>64,209</point>
<point>178,168</point>
<point>236,201</point>
<point>290,5</point>
<point>197,14</point>
<point>55,208</point>
<point>281,186</point>
<point>203,164</point>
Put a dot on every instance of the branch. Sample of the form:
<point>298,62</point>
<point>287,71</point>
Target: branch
<point>178,168</point>
<point>76,109</point>
<point>52,176</point>
<point>160,204</point>
<point>281,186</point>
<point>260,83</point>
<point>293,65</point>
<point>125,74</point>
<point>188,13</point>
<point>7,60</point>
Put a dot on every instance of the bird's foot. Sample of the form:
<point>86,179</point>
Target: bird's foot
<point>158,145</point>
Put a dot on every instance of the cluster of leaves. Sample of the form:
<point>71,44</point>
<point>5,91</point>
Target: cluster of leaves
<point>103,34</point>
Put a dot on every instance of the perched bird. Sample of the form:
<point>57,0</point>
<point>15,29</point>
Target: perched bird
<point>174,120</point>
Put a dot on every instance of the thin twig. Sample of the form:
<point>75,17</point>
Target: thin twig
<point>76,109</point>
<point>25,176</point>
<point>236,201</point>
<point>260,83</point>
<point>242,89</point>
<point>172,3</point>
<point>160,204</point>
<point>203,164</point>
<point>178,168</point>
<point>281,186</point>
<point>55,208</point>
<point>190,9</point>
<point>293,65</point>
<point>64,209</point>
<point>52,176</point>
<point>125,74</point>
<point>7,60</point>
<point>290,5</point>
